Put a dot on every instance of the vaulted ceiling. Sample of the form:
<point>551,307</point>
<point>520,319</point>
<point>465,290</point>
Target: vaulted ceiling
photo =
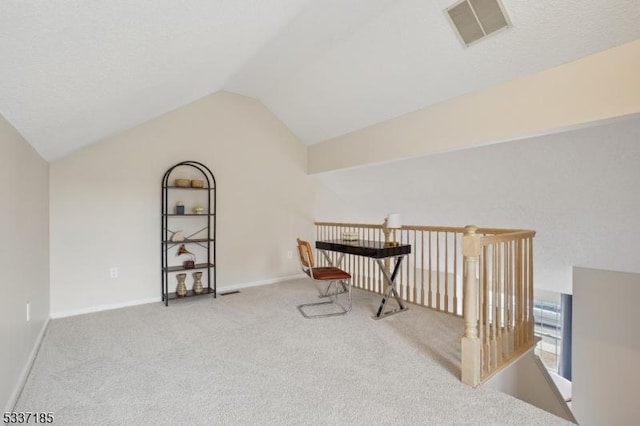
<point>75,72</point>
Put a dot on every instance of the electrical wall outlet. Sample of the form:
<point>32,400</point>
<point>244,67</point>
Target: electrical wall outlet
<point>28,311</point>
<point>289,254</point>
<point>113,272</point>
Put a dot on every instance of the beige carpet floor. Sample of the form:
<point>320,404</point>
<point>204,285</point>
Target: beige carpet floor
<point>252,359</point>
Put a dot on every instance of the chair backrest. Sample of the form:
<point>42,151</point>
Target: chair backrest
<point>305,252</point>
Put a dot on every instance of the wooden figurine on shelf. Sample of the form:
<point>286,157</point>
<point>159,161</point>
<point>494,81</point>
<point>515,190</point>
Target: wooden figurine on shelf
<point>187,264</point>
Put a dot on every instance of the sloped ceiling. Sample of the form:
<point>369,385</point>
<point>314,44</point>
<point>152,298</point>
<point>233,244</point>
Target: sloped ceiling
<point>75,72</point>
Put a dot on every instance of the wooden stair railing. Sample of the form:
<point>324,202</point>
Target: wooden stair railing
<point>484,275</point>
<point>498,294</point>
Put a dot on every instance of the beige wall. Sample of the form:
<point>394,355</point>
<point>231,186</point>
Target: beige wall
<point>24,220</point>
<point>606,347</point>
<point>105,208</point>
<point>577,189</point>
<point>595,88</point>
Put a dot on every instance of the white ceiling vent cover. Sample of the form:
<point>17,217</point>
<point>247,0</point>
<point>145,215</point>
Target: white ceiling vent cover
<point>474,20</point>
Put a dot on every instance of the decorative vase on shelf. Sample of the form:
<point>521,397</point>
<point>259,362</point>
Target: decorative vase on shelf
<point>181,289</point>
<point>197,283</point>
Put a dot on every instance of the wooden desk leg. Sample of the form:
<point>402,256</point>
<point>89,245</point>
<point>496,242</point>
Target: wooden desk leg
<point>391,290</point>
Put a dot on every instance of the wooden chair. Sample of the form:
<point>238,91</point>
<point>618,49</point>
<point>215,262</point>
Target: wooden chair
<point>337,278</point>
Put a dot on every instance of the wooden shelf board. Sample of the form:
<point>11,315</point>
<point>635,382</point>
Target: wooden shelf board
<point>190,240</point>
<point>187,187</point>
<point>189,214</point>
<point>182,268</point>
<point>174,296</point>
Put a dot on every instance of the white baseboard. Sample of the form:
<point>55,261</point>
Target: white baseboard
<point>239,286</point>
<point>100,308</point>
<point>232,287</point>
<point>13,399</point>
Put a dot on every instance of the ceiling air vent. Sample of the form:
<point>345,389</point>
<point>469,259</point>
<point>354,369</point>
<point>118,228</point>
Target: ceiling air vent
<point>474,20</point>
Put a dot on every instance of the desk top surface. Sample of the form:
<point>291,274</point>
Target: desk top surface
<point>375,249</point>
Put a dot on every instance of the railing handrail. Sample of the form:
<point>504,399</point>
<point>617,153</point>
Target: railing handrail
<point>349,225</point>
<point>457,229</point>
<point>507,236</point>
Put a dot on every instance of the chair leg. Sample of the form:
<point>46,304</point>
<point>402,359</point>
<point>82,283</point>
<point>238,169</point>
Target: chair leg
<point>327,293</point>
<point>333,300</point>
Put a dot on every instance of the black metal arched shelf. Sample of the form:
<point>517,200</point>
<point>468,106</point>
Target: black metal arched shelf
<point>205,237</point>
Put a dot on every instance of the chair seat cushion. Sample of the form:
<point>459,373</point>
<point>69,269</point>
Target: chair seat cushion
<point>329,273</point>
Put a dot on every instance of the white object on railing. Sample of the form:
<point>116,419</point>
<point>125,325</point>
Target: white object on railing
<point>393,221</point>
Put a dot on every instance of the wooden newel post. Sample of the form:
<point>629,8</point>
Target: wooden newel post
<point>471,345</point>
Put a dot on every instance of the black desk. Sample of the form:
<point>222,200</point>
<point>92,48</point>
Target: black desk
<point>377,250</point>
